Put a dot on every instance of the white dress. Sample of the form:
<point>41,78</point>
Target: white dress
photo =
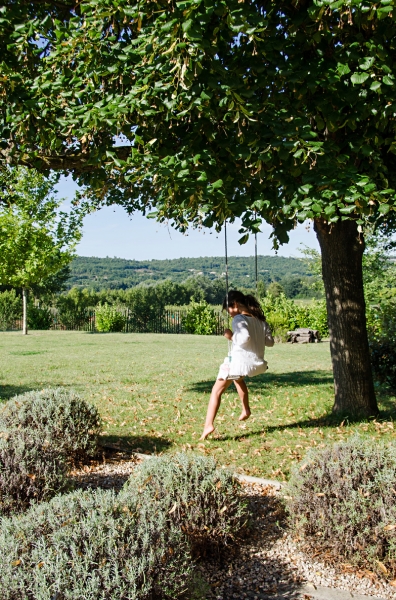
<point>246,359</point>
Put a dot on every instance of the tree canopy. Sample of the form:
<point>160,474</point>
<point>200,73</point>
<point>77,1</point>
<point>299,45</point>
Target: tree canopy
<point>274,110</point>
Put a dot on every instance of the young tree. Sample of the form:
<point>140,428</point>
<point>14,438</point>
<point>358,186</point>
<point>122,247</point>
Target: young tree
<point>262,109</point>
<point>36,239</point>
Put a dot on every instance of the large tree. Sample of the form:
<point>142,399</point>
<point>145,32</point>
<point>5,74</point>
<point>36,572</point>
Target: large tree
<point>36,239</point>
<point>211,109</point>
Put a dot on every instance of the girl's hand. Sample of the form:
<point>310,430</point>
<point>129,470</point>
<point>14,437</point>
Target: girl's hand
<point>228,334</point>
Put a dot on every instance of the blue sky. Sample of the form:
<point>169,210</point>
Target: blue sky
<point>111,232</point>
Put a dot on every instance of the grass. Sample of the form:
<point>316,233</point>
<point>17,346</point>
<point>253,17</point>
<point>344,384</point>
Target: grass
<point>152,391</point>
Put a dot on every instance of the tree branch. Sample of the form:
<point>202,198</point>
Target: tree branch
<point>78,162</point>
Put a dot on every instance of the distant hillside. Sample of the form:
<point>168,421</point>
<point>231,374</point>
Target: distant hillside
<point>118,273</point>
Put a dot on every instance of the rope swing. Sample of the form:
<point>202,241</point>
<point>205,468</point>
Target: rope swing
<point>226,261</point>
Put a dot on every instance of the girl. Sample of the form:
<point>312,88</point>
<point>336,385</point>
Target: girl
<point>251,335</point>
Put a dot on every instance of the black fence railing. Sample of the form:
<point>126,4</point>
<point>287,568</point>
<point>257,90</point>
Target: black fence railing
<point>166,321</point>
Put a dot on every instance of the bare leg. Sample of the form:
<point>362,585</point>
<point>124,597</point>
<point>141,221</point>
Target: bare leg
<point>243,394</point>
<point>214,403</point>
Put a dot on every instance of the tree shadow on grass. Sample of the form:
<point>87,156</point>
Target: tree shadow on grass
<point>295,379</point>
<point>135,443</point>
<point>264,383</point>
<point>8,391</point>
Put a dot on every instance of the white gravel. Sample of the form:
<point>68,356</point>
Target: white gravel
<point>269,563</point>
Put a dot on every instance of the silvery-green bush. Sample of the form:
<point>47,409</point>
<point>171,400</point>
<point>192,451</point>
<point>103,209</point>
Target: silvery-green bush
<point>202,500</point>
<point>31,469</point>
<point>93,545</point>
<point>343,497</point>
<point>59,416</point>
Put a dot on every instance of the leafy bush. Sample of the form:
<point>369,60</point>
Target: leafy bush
<point>59,416</point>
<point>109,318</point>
<point>344,496</point>
<point>10,309</point>
<point>285,315</point>
<point>200,319</point>
<point>381,326</point>
<point>314,316</point>
<point>39,317</point>
<point>202,500</point>
<point>91,545</point>
<point>31,469</point>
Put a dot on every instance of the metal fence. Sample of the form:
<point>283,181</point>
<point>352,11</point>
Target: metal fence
<point>166,321</point>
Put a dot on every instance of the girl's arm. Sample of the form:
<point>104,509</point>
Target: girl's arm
<point>269,340</point>
<point>228,334</point>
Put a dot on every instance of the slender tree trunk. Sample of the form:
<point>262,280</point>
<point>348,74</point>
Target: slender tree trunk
<point>342,251</point>
<point>24,315</point>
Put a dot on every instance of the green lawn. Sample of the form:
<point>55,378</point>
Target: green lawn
<point>152,391</point>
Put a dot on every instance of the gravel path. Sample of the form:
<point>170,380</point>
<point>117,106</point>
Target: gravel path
<point>267,564</point>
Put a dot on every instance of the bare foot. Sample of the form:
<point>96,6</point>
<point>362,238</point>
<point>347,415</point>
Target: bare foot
<point>245,414</point>
<point>207,431</point>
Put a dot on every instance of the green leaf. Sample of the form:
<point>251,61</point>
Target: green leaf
<point>203,177</point>
<point>387,80</point>
<point>187,25</point>
<point>359,78</point>
<point>347,210</point>
<point>367,63</point>
<point>304,189</point>
<point>384,209</point>
<point>217,184</point>
<point>376,85</point>
<point>343,69</point>
<point>243,239</point>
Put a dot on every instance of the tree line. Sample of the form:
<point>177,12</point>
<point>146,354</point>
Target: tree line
<point>293,274</point>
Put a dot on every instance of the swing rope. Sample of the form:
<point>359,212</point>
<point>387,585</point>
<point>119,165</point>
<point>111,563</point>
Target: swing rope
<point>226,261</point>
<point>226,276</point>
<point>255,261</point>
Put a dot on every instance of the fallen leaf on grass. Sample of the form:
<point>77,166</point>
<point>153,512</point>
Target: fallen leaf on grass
<point>382,567</point>
<point>172,510</point>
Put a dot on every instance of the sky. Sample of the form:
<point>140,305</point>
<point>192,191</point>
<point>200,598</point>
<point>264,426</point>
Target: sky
<point>111,232</point>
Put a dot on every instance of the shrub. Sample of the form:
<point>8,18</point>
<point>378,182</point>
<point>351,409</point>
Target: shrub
<point>31,469</point>
<point>381,326</point>
<point>90,545</point>
<point>285,315</point>
<point>314,316</point>
<point>10,309</point>
<point>344,496</point>
<point>108,318</point>
<point>59,416</point>
<point>202,500</point>
<point>200,319</point>
<point>39,317</point>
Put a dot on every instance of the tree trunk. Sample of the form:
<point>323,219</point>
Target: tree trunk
<point>24,315</point>
<point>342,251</point>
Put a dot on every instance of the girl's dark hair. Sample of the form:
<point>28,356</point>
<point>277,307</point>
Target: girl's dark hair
<point>249,301</point>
